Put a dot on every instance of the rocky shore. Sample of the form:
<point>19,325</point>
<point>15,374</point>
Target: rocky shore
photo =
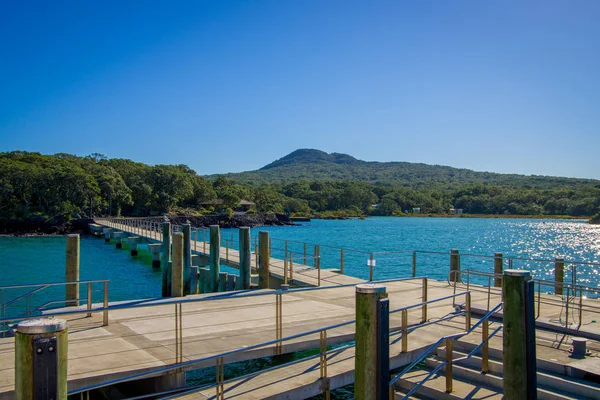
<point>60,226</point>
<point>41,227</point>
<point>236,220</point>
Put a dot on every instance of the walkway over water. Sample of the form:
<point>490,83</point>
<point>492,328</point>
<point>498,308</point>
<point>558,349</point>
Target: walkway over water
<point>143,335</point>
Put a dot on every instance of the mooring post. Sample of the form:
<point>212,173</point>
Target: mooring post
<point>72,272</point>
<point>519,336</point>
<point>371,376</point>
<point>194,280</point>
<point>41,359</point>
<point>498,268</point>
<point>165,259</point>
<point>264,259</point>
<point>215,257</point>
<point>177,266</point>
<point>245,256</point>
<point>186,229</point>
<point>559,275</point>
<point>223,281</point>
<point>202,279</point>
<point>455,266</point>
<point>231,282</point>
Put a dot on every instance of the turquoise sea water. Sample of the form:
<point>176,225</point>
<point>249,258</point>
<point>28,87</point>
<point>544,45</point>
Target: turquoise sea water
<point>42,259</point>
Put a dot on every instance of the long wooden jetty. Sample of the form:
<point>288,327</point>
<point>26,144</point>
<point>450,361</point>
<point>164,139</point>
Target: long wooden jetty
<point>131,348</point>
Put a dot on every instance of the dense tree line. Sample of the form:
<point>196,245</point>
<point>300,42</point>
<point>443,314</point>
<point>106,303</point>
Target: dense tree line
<point>32,184</point>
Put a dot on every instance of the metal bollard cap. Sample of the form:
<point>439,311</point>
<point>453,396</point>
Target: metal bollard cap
<point>516,272</point>
<point>42,325</point>
<point>370,288</point>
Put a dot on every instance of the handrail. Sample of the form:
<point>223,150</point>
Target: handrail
<point>216,296</point>
<point>244,349</point>
<point>51,284</point>
<point>439,342</point>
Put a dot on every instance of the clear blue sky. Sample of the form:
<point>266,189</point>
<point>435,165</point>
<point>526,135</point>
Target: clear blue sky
<point>503,86</point>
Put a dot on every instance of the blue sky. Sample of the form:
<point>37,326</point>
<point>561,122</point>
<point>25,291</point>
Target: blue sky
<point>223,86</point>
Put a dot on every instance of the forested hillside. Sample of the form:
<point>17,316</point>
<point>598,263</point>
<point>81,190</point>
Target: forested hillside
<point>306,182</point>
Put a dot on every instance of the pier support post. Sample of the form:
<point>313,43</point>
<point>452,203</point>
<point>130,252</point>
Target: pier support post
<point>41,359</point>
<point>194,280</point>
<point>202,272</point>
<point>455,266</point>
<point>165,259</point>
<point>371,376</point>
<point>264,259</point>
<point>106,232</point>
<point>223,281</point>
<point>72,270</point>
<point>155,250</point>
<point>215,257</point>
<point>559,275</point>
<point>187,256</point>
<point>519,336</point>
<point>207,281</point>
<point>498,268</point>
<point>245,255</point>
<point>177,266</point>
<point>231,282</point>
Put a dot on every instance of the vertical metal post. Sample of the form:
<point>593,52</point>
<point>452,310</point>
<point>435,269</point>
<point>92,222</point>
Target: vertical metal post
<point>291,268</point>
<point>89,299</point>
<point>414,263</point>
<point>449,366</point>
<point>227,250</point>
<point>342,261</point>
<point>424,300</point>
<point>105,305</point>
<point>529,322</point>
<point>278,321</point>
<point>468,311</point>
<point>304,259</point>
<point>404,331</point>
<point>245,255</point>
<point>371,265</point>
<point>383,347</point>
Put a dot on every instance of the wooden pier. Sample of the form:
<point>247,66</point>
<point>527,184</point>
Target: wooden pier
<point>150,344</point>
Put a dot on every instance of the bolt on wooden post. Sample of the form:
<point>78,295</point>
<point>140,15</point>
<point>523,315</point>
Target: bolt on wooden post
<point>215,257</point>
<point>166,259</point>
<point>367,373</point>
<point>186,229</point>
<point>41,359</point>
<point>498,268</point>
<point>177,279</point>
<point>245,258</point>
<point>72,270</point>
<point>518,319</point>
<point>454,266</point>
<point>264,259</point>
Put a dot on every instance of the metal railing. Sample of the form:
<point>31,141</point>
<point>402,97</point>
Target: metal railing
<point>30,310</point>
<point>567,297</point>
<point>448,362</point>
<point>220,359</point>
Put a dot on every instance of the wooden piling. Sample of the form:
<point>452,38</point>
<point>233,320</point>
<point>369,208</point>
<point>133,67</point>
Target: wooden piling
<point>202,273</point>
<point>193,279</point>
<point>207,281</point>
<point>264,259</point>
<point>455,266</point>
<point>177,266</point>
<point>166,259</point>
<point>72,270</point>
<point>559,275</point>
<point>245,256</point>
<point>365,363</point>
<point>514,336</point>
<point>498,268</point>
<point>231,283</point>
<point>215,257</point>
<point>223,281</point>
<point>186,229</point>
<point>35,341</point>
